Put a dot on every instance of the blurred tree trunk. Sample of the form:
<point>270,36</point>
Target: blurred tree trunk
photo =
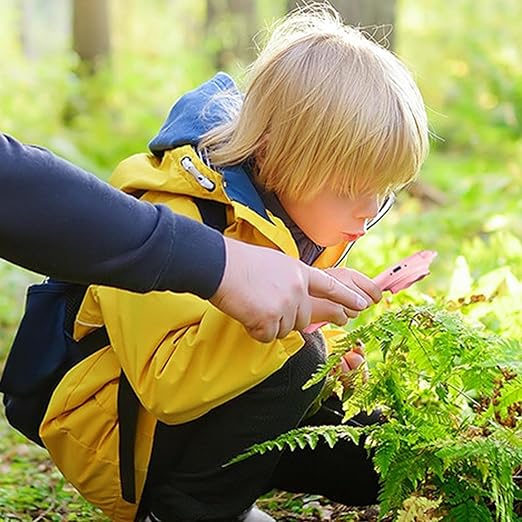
<point>44,27</point>
<point>24,31</point>
<point>230,26</point>
<point>364,13</point>
<point>91,32</point>
<point>92,43</point>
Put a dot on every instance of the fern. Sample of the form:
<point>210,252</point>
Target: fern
<point>488,462</point>
<point>451,394</point>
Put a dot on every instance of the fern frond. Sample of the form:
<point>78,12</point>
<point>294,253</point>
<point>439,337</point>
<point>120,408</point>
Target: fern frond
<point>509,354</point>
<point>470,510</point>
<point>308,436</point>
<point>441,382</point>
<point>398,485</point>
<point>510,394</point>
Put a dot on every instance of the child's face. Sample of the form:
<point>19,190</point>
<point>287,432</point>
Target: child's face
<point>329,219</point>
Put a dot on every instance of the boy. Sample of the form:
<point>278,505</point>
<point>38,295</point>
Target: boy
<point>329,125</point>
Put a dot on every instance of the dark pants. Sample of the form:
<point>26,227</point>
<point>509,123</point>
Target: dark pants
<point>187,480</point>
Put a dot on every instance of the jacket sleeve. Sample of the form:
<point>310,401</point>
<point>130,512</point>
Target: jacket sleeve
<point>59,220</point>
<point>183,356</point>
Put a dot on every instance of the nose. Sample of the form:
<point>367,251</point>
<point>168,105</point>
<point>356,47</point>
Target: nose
<point>368,210</point>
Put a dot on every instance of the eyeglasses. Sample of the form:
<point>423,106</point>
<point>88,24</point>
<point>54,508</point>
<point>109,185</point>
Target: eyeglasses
<point>384,208</point>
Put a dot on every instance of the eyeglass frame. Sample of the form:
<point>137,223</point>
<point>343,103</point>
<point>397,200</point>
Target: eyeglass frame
<point>385,207</point>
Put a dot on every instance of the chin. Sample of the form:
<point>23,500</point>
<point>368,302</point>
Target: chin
<point>324,241</point>
<point>327,242</point>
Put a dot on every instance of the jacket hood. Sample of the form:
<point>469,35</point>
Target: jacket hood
<point>193,115</point>
<point>190,118</point>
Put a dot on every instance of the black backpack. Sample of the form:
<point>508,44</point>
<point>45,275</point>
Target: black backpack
<point>43,351</point>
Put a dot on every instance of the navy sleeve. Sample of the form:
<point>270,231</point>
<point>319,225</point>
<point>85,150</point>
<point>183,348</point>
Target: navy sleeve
<point>59,220</point>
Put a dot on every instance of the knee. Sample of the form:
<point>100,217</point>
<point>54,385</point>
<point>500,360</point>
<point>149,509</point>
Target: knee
<point>303,365</point>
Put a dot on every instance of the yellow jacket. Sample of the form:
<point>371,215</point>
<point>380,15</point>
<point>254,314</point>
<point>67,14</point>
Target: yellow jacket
<point>181,355</point>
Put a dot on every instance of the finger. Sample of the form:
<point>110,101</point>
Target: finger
<point>265,332</point>
<point>320,284</point>
<point>287,323</point>
<point>346,277</point>
<point>359,349</point>
<point>304,315</point>
<point>332,313</point>
<point>353,360</point>
<point>352,314</point>
<point>367,285</point>
<point>341,317</point>
<point>344,366</point>
<point>326,311</point>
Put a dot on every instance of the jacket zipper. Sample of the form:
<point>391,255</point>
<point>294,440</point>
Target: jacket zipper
<point>203,181</point>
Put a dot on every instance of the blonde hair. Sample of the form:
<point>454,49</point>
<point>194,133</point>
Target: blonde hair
<point>324,107</point>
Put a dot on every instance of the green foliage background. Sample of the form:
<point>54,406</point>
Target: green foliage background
<point>466,56</point>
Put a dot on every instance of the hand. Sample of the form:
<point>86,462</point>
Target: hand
<point>350,361</point>
<point>358,282</point>
<point>272,294</point>
<point>353,358</point>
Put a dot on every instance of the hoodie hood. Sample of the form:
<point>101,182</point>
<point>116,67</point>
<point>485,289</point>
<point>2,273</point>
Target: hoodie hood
<point>194,114</point>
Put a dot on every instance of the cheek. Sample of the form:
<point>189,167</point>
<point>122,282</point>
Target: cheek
<point>323,220</point>
<point>323,226</point>
<point>330,218</point>
<point>309,220</point>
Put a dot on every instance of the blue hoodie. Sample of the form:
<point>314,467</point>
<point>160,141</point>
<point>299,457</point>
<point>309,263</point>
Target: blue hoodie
<point>193,115</point>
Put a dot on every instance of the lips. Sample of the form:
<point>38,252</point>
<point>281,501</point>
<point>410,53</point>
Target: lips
<point>352,237</point>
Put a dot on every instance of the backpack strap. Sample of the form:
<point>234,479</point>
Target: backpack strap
<point>93,342</point>
<point>214,215</point>
<point>128,409</point>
